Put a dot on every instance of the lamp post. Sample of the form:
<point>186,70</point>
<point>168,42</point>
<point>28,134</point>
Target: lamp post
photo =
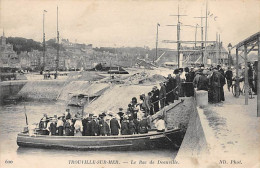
<point>229,54</point>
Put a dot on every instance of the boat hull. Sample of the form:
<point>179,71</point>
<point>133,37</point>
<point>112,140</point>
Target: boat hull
<point>168,139</point>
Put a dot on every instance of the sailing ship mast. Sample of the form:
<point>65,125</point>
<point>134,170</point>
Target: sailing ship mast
<point>204,60</point>
<point>44,46</point>
<point>58,45</point>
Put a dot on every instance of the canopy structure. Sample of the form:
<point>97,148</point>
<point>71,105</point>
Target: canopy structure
<point>252,43</point>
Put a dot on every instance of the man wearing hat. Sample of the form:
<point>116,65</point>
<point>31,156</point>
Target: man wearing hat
<point>125,126</point>
<point>103,125</point>
<point>60,124</point>
<point>67,114</point>
<point>198,73</point>
<point>188,85</point>
<point>190,75</point>
<point>177,89</point>
<point>100,122</point>
<point>121,114</point>
<point>169,89</point>
<point>229,76</point>
<point>43,124</point>
<point>114,126</point>
<point>56,118</point>
<point>215,83</point>
<point>52,126</point>
<point>155,99</point>
<point>162,95</point>
<point>94,126</point>
<point>220,69</point>
<point>87,126</point>
<point>84,124</point>
<point>203,81</point>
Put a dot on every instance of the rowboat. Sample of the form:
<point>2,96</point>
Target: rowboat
<point>152,140</point>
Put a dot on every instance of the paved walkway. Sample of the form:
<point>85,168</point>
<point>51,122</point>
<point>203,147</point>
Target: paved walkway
<point>232,132</point>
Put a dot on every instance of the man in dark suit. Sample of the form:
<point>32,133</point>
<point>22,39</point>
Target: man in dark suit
<point>203,82</point>
<point>114,126</point>
<point>229,76</point>
<point>169,89</point>
<point>155,99</point>
<point>94,126</point>
<point>177,88</point>
<point>162,95</point>
<point>89,125</point>
<point>120,113</point>
<point>84,124</point>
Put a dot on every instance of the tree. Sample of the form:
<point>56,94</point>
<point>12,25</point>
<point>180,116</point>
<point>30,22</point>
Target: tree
<point>21,44</point>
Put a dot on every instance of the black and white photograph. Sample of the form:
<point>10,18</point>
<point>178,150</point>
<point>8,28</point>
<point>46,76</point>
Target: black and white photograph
<point>129,84</point>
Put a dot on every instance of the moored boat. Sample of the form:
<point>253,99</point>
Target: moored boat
<point>168,139</point>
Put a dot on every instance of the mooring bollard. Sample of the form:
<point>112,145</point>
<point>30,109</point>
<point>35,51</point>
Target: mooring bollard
<point>202,98</point>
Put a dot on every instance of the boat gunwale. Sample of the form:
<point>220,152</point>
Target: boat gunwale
<point>102,138</point>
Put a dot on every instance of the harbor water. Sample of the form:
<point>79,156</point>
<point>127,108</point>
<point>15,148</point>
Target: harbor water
<point>13,121</point>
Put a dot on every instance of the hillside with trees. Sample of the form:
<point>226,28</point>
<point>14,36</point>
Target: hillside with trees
<point>22,44</point>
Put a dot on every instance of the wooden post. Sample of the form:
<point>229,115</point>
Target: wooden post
<point>258,80</point>
<point>237,77</point>
<point>246,75</point>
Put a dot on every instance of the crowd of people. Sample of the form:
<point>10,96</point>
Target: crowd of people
<point>184,82</point>
<point>136,118</point>
<point>130,122</point>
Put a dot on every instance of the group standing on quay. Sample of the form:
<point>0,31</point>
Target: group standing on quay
<point>135,119</point>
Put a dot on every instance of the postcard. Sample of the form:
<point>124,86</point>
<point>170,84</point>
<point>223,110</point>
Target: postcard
<point>129,84</point>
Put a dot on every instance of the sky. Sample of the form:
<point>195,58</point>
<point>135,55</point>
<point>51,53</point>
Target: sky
<point>118,23</point>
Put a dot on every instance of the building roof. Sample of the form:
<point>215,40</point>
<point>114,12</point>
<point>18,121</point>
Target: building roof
<point>250,39</point>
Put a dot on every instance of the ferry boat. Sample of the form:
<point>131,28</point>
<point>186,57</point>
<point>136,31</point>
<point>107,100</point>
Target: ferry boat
<point>151,140</point>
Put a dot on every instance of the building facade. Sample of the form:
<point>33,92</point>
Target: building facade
<point>8,57</point>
